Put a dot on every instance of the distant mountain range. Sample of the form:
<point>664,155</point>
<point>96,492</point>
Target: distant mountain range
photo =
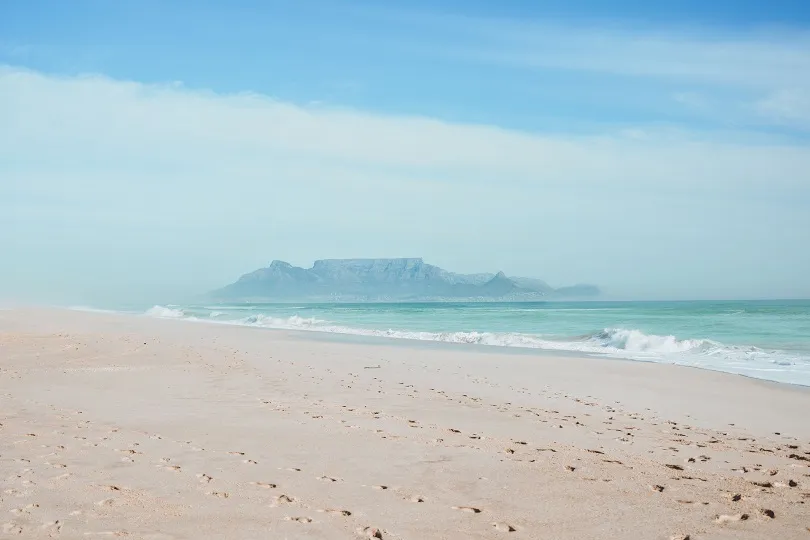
<point>363,280</point>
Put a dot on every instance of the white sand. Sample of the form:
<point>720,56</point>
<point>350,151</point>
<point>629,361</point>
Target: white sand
<point>140,428</point>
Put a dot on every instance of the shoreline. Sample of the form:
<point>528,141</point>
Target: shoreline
<point>548,358</point>
<point>348,337</point>
<point>128,426</point>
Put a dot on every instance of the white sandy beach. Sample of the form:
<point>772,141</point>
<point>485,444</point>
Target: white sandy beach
<point>125,426</point>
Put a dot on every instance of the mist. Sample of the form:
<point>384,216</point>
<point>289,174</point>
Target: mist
<point>116,191</point>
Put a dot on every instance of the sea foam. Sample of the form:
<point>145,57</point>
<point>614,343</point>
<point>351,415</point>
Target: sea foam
<point>609,340</point>
<point>626,343</point>
<point>163,312</point>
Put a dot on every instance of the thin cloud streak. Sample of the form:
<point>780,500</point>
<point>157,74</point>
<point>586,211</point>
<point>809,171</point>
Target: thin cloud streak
<point>766,57</point>
<point>745,66</point>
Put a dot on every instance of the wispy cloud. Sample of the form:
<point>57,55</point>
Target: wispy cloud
<point>750,60</point>
<point>737,68</point>
<point>791,107</point>
<point>747,68</point>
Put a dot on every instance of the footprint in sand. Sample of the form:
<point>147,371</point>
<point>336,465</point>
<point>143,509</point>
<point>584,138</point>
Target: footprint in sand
<point>301,519</point>
<point>767,513</point>
<point>11,528</point>
<point>369,532</point>
<point>284,499</point>
<point>265,485</point>
<point>416,499</point>
<point>250,462</point>
<point>336,512</point>
<point>106,502</point>
<point>468,509</point>
<point>204,477</point>
<point>657,488</point>
<point>106,534</point>
<point>51,527</point>
<point>726,518</point>
<point>220,494</point>
<point>379,488</point>
<point>327,479</point>
<point>503,527</point>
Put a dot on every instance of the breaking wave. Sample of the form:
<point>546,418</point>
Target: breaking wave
<point>290,323</point>
<point>635,341</point>
<point>617,341</point>
<point>162,312</point>
<point>624,343</point>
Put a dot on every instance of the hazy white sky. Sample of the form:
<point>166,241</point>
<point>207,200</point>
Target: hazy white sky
<point>119,188</point>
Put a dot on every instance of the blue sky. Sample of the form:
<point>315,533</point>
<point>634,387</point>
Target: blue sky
<point>471,62</point>
<point>154,148</point>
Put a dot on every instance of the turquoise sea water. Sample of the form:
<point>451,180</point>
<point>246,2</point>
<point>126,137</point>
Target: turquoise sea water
<point>763,339</point>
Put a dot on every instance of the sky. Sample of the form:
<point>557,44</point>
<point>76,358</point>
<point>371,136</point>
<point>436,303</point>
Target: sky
<point>151,151</point>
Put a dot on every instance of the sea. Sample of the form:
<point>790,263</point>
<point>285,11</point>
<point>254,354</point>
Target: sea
<point>762,339</point>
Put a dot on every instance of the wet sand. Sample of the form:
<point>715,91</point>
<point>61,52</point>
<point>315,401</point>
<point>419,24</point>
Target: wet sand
<point>125,426</point>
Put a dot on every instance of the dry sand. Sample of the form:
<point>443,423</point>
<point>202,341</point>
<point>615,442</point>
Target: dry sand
<point>124,426</point>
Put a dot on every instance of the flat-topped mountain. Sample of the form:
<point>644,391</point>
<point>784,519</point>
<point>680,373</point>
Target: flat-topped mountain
<point>407,279</point>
